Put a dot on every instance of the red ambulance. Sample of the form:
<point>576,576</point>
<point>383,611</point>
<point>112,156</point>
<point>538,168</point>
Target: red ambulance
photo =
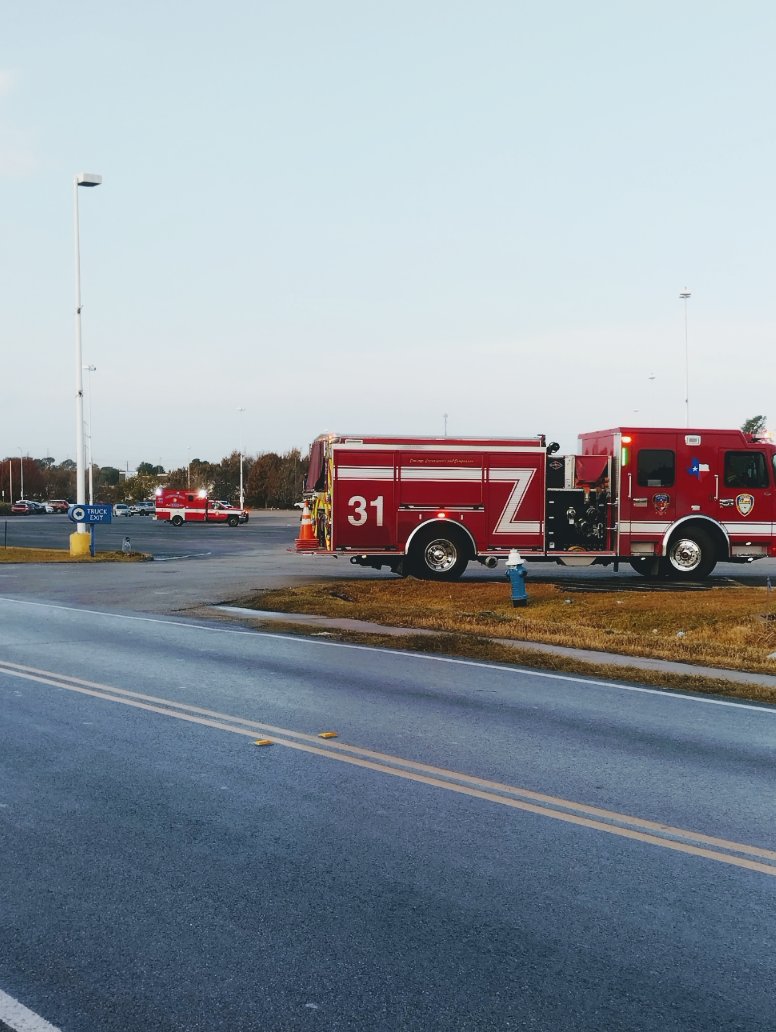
<point>179,505</point>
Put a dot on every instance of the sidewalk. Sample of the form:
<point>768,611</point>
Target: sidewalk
<point>584,655</point>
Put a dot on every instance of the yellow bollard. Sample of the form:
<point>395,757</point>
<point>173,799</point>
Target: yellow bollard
<point>79,544</point>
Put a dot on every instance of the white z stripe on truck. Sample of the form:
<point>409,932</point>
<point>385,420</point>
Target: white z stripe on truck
<point>521,478</point>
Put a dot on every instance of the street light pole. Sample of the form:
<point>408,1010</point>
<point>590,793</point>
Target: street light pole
<point>685,296</point>
<point>82,179</point>
<point>242,449</point>
<point>90,369</point>
<point>21,468</point>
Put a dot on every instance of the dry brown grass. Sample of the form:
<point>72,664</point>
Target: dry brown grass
<point>728,627</point>
<point>62,555</point>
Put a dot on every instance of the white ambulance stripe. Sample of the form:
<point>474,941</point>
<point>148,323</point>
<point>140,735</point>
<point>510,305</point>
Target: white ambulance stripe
<point>757,529</point>
<point>435,473</point>
<point>644,527</point>
<point>521,527</point>
<point>365,472</point>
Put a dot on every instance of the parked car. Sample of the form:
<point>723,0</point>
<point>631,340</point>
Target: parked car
<point>57,505</point>
<point>26,507</point>
<point>142,509</point>
<point>120,509</point>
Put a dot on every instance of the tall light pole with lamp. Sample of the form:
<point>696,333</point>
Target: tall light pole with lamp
<point>21,468</point>
<point>685,296</point>
<point>82,179</point>
<point>242,449</point>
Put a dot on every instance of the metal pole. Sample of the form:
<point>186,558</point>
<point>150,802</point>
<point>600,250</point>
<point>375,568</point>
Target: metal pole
<point>21,469</point>
<point>685,296</point>
<point>242,449</point>
<point>90,369</point>
<point>82,179</point>
<point>80,488</point>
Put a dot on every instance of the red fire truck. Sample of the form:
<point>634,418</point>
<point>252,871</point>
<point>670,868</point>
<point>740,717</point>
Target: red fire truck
<point>179,506</point>
<point>670,502</point>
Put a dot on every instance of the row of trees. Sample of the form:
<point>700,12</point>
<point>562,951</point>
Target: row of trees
<point>269,480</point>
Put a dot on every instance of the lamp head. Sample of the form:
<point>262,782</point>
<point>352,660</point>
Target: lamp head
<point>88,179</point>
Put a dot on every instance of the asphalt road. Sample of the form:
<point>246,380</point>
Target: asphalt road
<point>479,848</point>
<point>212,564</point>
<point>467,854</point>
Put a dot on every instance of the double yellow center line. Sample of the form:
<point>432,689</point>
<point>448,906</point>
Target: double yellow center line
<point>737,854</point>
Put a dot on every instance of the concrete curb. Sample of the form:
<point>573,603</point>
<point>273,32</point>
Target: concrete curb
<point>584,655</point>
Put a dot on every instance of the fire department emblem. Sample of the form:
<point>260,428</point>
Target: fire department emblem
<point>661,503</point>
<point>745,503</point>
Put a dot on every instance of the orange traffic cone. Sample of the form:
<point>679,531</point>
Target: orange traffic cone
<point>307,538</point>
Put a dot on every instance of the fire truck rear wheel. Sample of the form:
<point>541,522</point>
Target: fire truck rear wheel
<point>177,521</point>
<point>233,521</point>
<point>439,555</point>
<point>690,556</point>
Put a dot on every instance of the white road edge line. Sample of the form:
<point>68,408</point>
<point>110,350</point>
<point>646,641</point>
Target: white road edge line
<point>174,558</point>
<point>526,671</point>
<point>21,1018</point>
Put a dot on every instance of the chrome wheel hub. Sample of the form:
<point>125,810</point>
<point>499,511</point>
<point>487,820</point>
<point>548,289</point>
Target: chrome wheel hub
<point>685,555</point>
<point>440,555</point>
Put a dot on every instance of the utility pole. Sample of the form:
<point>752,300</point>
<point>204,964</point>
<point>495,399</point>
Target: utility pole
<point>685,296</point>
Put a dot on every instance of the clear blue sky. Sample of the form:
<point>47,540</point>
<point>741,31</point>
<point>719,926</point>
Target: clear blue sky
<point>358,216</point>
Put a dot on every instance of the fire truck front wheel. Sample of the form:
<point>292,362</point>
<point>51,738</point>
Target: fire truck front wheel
<point>439,554</point>
<point>690,556</point>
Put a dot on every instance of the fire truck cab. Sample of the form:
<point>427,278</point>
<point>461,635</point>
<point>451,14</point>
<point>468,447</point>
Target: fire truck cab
<point>687,499</point>
<point>669,501</point>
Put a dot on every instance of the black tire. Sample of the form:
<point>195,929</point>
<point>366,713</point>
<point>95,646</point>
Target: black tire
<point>233,521</point>
<point>439,553</point>
<point>177,521</point>
<point>690,556</point>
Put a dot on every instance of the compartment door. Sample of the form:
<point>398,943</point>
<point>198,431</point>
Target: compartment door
<point>515,500</point>
<point>363,500</point>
